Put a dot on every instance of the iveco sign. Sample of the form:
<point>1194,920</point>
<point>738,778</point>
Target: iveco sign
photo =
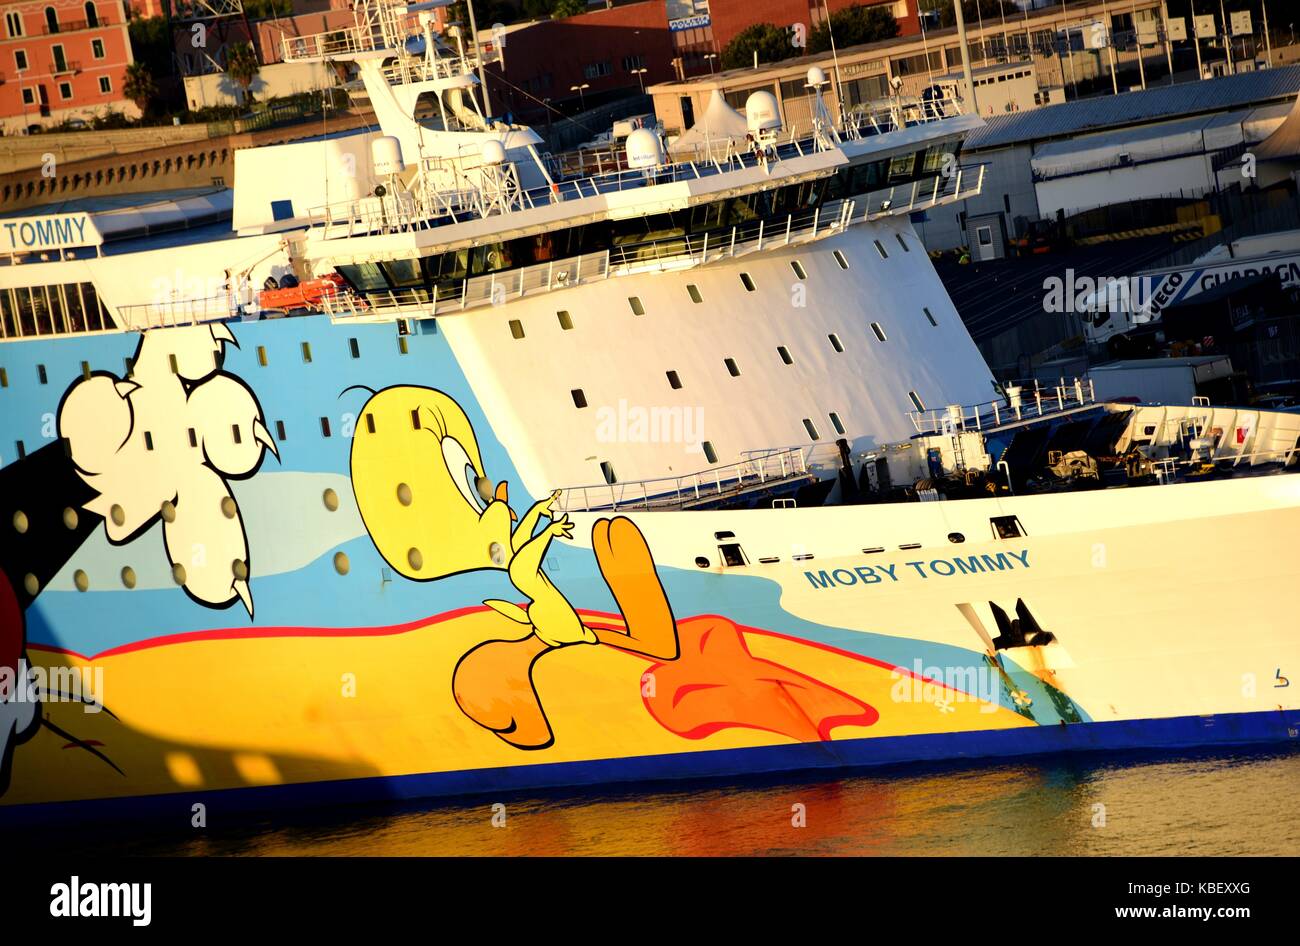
<point>51,232</point>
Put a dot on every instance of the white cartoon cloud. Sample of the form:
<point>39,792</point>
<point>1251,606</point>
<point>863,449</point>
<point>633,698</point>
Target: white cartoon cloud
<point>163,443</point>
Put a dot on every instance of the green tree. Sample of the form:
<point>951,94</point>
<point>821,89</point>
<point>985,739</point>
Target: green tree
<point>242,68</point>
<point>770,42</point>
<point>853,27</point>
<point>565,8</point>
<point>139,86</point>
<point>151,44</point>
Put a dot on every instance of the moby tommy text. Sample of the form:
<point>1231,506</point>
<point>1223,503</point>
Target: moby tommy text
<point>936,567</point>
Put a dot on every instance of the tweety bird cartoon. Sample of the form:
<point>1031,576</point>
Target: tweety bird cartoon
<point>432,512</point>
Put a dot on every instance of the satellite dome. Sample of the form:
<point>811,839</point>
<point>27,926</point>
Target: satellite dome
<point>761,113</point>
<point>494,152</point>
<point>643,149</point>
<point>816,76</point>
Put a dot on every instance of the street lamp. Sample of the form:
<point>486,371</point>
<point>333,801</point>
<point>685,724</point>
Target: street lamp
<point>582,99</point>
<point>639,73</point>
<point>710,57</point>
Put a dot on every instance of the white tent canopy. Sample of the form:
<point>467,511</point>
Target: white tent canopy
<point>1284,143</point>
<point>720,129</point>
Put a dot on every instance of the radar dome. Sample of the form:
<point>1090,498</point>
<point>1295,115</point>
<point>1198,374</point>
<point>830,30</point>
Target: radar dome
<point>386,156</point>
<point>644,149</point>
<point>816,77</point>
<point>761,113</point>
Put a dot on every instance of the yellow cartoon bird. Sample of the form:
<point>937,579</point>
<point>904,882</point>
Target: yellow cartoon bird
<point>432,512</point>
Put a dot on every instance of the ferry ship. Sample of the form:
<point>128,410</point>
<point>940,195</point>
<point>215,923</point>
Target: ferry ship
<point>435,471</point>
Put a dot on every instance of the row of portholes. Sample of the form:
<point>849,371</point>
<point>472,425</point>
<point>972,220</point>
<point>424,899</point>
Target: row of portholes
<point>238,569</point>
<point>118,515</point>
<point>103,177</point>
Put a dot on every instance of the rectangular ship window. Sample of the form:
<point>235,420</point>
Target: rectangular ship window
<point>579,399</point>
<point>694,292</point>
<point>929,315</point>
<point>916,400</point>
<point>747,282</point>
<point>637,307</point>
<point>785,354</point>
<point>732,368</point>
<point>516,329</point>
<point>674,382</point>
<point>809,426</point>
<point>880,332</point>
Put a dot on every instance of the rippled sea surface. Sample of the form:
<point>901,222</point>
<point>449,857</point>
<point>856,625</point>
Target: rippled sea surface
<point>1206,804</point>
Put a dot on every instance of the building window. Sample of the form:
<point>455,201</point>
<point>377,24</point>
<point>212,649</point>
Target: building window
<point>29,97</point>
<point>20,60</point>
<point>105,84</point>
<point>92,17</point>
<point>97,48</point>
<point>51,20</point>
<point>633,62</point>
<point>65,90</point>
<point>596,70</point>
<point>14,23</point>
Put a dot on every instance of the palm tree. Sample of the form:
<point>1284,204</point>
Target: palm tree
<point>242,67</point>
<point>139,86</point>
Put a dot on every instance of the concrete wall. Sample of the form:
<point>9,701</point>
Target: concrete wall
<point>28,151</point>
<point>207,162</point>
<point>1190,176</point>
<point>279,79</point>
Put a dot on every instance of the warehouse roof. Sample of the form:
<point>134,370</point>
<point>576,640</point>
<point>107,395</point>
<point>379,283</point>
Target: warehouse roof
<point>1131,108</point>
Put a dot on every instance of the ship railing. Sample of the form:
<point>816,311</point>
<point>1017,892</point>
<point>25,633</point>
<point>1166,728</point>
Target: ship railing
<point>407,69</point>
<point>656,255</point>
<point>178,312</point>
<point>336,42</point>
<point>1167,469</point>
<point>1017,405</point>
<point>679,492</point>
<point>916,195</point>
<point>490,289</point>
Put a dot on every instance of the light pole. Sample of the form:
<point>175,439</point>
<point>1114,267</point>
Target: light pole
<point>582,98</point>
<point>640,74</point>
<point>711,58</point>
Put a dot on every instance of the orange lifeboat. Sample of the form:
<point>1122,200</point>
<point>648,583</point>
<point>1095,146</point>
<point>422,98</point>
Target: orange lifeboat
<point>304,295</point>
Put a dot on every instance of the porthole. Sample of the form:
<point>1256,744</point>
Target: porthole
<point>330,499</point>
<point>956,537</point>
<point>341,563</point>
<point>701,561</point>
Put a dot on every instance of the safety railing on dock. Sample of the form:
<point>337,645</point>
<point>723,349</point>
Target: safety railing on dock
<point>678,492</point>
<point>1017,405</point>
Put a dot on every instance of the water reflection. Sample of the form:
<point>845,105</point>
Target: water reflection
<point>1136,805</point>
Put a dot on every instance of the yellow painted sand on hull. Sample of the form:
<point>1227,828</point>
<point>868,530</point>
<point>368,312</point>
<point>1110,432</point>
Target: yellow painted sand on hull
<point>217,714</point>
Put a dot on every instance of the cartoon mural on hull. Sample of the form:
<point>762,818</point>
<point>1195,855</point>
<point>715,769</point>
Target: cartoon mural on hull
<point>207,697</point>
<point>432,512</point>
